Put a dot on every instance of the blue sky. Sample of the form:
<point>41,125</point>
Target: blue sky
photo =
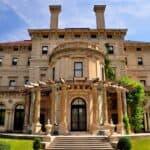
<point>16,16</point>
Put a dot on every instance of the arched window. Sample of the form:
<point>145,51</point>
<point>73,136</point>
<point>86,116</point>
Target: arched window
<point>2,114</point>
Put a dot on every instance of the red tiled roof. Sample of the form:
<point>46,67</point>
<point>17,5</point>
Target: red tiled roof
<point>24,42</point>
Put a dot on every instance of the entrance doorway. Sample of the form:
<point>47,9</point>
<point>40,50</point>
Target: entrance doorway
<point>78,115</point>
<point>19,118</point>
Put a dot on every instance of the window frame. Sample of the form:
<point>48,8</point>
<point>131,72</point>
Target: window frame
<point>108,50</point>
<point>53,73</point>
<point>139,61</point>
<point>44,52</point>
<point>11,81</point>
<point>143,81</point>
<point>1,61</point>
<point>76,69</point>
<point>2,114</point>
<point>14,63</point>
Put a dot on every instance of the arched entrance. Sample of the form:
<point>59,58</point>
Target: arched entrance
<point>19,118</point>
<point>78,115</point>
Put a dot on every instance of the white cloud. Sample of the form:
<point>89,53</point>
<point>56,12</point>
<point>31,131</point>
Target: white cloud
<point>79,13</point>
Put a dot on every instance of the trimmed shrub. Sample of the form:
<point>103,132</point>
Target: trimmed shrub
<point>4,146</point>
<point>37,144</point>
<point>124,143</point>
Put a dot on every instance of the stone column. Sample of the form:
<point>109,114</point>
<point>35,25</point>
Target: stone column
<point>37,125</point>
<point>120,111</point>
<point>95,126</point>
<point>9,118</point>
<point>31,115</point>
<point>145,121</point>
<point>63,124</point>
<point>105,105</point>
<point>52,102</point>
<point>148,119</point>
<point>125,101</point>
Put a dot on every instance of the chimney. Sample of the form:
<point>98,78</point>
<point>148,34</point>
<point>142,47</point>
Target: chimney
<point>100,19</point>
<point>54,10</point>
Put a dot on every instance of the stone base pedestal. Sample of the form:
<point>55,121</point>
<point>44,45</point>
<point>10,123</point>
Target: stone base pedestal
<point>37,128</point>
<point>94,129</point>
<point>120,128</point>
<point>63,129</point>
<point>48,128</point>
<point>109,129</point>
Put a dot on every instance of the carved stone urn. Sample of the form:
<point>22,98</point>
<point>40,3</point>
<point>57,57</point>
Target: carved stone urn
<point>48,127</point>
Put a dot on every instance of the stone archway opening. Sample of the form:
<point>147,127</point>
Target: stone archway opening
<point>78,115</point>
<point>19,118</point>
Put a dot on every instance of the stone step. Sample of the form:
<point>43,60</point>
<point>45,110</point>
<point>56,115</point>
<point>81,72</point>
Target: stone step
<point>79,142</point>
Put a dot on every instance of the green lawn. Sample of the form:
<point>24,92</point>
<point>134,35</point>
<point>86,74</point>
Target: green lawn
<point>18,144</point>
<point>141,144</point>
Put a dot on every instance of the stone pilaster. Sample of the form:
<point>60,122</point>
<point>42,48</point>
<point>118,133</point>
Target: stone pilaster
<point>37,125</point>
<point>95,126</point>
<point>105,105</point>
<point>63,124</point>
<point>120,112</point>
<point>9,118</point>
<point>145,121</point>
<point>27,111</point>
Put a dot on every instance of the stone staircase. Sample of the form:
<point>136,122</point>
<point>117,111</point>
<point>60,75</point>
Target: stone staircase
<point>80,142</point>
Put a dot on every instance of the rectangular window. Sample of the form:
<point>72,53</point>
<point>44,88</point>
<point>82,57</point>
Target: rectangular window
<point>53,73</point>
<point>78,69</point>
<point>138,49</point>
<point>77,35</point>
<point>143,82</point>
<point>12,83</point>
<point>1,61</point>
<point>45,36</point>
<point>93,36</point>
<point>30,48</point>
<point>26,81</point>
<point>126,61</point>
<point>2,115</point>
<point>44,49</point>
<point>109,36</point>
<point>140,61</point>
<point>61,36</point>
<point>1,49</point>
<point>43,77</point>
<point>14,61</point>
<point>29,60</point>
<point>15,48</point>
<point>103,74</point>
<point>110,49</point>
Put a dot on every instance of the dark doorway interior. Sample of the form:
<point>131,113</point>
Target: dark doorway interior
<point>78,115</point>
<point>19,118</point>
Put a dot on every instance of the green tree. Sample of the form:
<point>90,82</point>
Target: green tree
<point>135,100</point>
<point>109,71</point>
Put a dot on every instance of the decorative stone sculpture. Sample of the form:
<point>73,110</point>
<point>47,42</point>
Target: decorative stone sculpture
<point>48,127</point>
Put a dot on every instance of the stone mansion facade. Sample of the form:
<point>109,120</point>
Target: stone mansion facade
<point>59,76</point>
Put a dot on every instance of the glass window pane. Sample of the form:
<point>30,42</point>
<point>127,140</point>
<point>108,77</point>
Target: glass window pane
<point>78,73</point>
<point>78,65</point>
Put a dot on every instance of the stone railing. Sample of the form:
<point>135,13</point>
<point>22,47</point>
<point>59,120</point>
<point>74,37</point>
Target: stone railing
<point>11,88</point>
